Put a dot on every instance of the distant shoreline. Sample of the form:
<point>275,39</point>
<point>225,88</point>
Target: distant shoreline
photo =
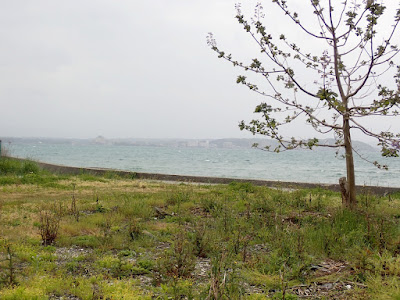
<point>61,169</point>
<point>224,143</point>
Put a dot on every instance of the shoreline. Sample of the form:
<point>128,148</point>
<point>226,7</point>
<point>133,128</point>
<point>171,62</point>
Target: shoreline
<point>61,169</point>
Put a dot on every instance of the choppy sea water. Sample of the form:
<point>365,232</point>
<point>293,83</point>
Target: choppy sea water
<point>300,166</point>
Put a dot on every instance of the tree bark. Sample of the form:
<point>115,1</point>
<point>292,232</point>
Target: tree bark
<point>351,200</point>
<point>344,191</point>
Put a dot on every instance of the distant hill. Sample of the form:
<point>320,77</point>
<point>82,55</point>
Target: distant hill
<point>232,143</point>
<point>247,143</point>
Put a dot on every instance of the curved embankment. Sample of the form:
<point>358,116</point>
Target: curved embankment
<point>59,169</point>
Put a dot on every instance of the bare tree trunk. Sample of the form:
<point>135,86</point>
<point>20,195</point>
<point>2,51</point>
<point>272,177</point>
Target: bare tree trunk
<point>350,200</point>
<point>344,191</point>
<point>349,194</point>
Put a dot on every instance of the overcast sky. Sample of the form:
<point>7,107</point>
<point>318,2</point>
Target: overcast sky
<point>122,69</point>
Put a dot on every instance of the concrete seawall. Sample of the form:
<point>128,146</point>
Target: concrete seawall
<point>59,169</point>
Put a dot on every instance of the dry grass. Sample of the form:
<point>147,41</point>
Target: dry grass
<point>131,246</point>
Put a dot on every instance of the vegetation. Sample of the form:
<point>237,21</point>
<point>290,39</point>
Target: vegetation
<point>342,74</point>
<point>150,240</point>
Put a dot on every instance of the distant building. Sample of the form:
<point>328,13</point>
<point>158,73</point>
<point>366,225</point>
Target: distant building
<point>100,140</point>
<point>204,144</point>
<point>192,144</point>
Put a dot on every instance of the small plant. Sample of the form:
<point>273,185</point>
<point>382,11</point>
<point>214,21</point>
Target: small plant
<point>146,264</point>
<point>284,296</point>
<point>7,273</point>
<point>242,186</point>
<point>217,278</point>
<point>134,229</point>
<point>224,280</point>
<point>48,227</point>
<point>178,198</point>
<point>100,208</point>
<point>242,235</point>
<point>1,207</point>
<point>210,204</point>
<point>61,210</point>
<point>107,225</point>
<point>178,261</point>
<point>200,239</point>
<point>30,167</point>
<point>284,284</point>
<point>74,209</point>
<point>179,289</point>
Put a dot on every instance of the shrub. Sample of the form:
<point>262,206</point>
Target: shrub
<point>242,186</point>
<point>178,261</point>
<point>29,167</point>
<point>7,267</point>
<point>178,198</point>
<point>9,166</point>
<point>48,228</point>
<point>134,229</point>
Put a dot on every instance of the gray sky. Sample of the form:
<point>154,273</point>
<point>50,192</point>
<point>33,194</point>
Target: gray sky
<point>122,68</point>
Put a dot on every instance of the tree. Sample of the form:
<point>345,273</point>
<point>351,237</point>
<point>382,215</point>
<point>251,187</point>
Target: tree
<point>346,88</point>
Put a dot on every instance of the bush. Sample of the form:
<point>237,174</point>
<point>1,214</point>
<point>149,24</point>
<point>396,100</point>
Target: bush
<point>178,261</point>
<point>9,166</point>
<point>242,186</point>
<point>48,228</point>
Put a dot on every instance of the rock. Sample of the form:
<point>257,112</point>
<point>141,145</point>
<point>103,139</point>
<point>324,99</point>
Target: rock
<point>327,286</point>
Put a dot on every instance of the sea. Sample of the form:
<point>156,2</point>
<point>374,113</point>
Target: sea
<point>311,166</point>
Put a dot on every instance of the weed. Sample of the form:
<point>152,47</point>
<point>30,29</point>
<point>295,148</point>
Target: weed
<point>224,280</point>
<point>242,186</point>
<point>178,261</point>
<point>88,241</point>
<point>117,267</point>
<point>7,273</point>
<point>134,229</point>
<point>146,264</point>
<point>74,209</point>
<point>178,197</point>
<point>220,242</point>
<point>200,239</point>
<point>178,289</point>
<point>1,208</point>
<point>210,204</point>
<point>49,226</point>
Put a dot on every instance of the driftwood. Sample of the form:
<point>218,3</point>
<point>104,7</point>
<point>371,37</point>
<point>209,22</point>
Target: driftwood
<point>160,213</point>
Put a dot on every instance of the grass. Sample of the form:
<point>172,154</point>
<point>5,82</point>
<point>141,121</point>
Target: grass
<point>121,238</point>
